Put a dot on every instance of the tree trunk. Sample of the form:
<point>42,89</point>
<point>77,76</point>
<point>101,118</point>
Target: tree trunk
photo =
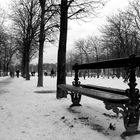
<point>27,61</point>
<point>23,64</point>
<point>41,45</point>
<point>61,65</point>
<point>7,67</point>
<point>40,65</point>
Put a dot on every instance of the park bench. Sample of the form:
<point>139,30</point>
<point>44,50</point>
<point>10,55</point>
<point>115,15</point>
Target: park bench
<point>126,102</point>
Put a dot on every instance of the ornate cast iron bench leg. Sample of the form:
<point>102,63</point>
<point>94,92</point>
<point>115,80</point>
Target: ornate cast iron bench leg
<point>131,121</point>
<point>130,116</point>
<point>132,113</point>
<point>131,110</point>
<point>75,97</point>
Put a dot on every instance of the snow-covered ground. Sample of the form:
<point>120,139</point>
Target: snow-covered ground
<point>31,113</point>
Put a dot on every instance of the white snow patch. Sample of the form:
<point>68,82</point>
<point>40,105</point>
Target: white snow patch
<point>28,112</point>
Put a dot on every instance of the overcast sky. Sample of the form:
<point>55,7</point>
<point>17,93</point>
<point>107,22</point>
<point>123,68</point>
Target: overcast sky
<point>80,29</point>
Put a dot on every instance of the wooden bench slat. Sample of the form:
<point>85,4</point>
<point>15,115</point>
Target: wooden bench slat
<point>108,89</point>
<point>101,95</point>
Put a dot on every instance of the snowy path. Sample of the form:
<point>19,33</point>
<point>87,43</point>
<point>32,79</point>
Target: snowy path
<point>31,113</point>
<point>4,82</point>
<point>25,114</point>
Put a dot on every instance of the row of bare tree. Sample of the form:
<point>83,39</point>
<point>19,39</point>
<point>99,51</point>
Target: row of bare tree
<point>8,45</point>
<point>36,22</point>
<point>120,38</point>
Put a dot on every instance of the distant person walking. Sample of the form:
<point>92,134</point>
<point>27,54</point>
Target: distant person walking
<point>45,73</point>
<point>52,73</point>
<point>12,73</point>
<point>17,73</point>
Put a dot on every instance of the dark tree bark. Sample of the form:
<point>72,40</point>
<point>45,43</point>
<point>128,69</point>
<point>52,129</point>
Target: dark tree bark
<point>27,50</point>
<point>77,10</point>
<point>41,44</point>
<point>23,63</point>
<point>61,66</point>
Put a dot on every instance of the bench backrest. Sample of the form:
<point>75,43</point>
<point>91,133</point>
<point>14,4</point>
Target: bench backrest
<point>131,61</point>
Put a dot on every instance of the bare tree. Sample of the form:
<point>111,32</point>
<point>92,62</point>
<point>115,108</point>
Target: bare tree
<point>83,48</point>
<point>48,26</point>
<point>8,49</point>
<point>119,34</point>
<point>71,10</point>
<point>133,12</point>
<point>95,47</point>
<point>41,43</point>
<point>26,17</point>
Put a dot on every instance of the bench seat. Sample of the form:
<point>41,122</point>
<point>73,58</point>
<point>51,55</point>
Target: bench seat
<point>97,94</point>
<point>108,89</point>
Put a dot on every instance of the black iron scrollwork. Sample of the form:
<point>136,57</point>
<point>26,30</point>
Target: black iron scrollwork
<point>76,97</point>
<point>130,110</point>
